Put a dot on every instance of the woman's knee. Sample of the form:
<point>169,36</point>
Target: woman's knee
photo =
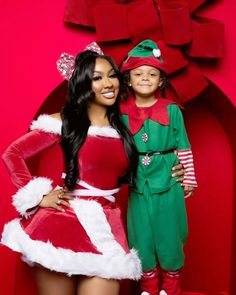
<point>97,286</point>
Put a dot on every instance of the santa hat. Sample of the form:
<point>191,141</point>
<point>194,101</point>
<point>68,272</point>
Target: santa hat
<point>144,53</point>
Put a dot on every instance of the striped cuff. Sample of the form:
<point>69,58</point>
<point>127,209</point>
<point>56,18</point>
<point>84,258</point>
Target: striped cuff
<point>186,159</point>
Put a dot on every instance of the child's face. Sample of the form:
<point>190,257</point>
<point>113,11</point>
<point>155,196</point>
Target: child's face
<point>145,81</point>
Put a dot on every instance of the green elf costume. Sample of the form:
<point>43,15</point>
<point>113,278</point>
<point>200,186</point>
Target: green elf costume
<point>156,216</point>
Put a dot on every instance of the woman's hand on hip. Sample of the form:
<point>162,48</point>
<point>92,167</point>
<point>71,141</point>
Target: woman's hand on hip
<point>56,199</point>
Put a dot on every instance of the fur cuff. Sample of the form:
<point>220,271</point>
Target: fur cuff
<point>47,123</point>
<point>31,194</point>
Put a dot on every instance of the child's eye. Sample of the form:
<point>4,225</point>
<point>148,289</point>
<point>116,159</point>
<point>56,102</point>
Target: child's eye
<point>153,75</point>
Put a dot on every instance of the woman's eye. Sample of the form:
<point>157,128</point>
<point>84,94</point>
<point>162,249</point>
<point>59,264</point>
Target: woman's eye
<point>113,75</point>
<point>96,78</point>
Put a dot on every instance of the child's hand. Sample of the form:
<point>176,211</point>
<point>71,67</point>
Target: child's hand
<point>188,190</point>
<point>178,170</point>
<point>55,199</point>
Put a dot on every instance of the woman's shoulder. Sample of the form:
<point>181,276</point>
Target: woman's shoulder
<point>49,123</point>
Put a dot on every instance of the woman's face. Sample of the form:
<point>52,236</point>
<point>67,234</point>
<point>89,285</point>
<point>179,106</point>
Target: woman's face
<point>145,80</point>
<point>105,83</point>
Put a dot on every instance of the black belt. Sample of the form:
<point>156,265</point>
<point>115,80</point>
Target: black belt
<point>152,153</point>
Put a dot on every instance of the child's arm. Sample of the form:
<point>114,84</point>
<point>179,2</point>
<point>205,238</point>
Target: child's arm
<point>183,150</point>
<point>189,181</point>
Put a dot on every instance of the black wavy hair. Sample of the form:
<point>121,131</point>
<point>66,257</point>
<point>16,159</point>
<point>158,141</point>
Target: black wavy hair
<point>75,120</point>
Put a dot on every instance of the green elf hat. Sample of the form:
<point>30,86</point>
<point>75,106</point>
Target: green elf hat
<point>144,53</point>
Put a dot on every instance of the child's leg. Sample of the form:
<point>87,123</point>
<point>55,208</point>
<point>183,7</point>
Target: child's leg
<point>140,237</point>
<point>170,235</point>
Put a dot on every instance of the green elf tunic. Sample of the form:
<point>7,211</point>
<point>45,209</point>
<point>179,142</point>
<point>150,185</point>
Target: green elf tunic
<point>156,217</point>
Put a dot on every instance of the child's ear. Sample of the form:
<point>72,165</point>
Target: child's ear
<point>160,82</point>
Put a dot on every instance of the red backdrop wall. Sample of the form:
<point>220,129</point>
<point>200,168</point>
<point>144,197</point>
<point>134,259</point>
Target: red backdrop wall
<point>32,37</point>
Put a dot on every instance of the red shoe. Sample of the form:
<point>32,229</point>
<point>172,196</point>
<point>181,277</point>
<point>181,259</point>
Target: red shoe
<point>170,283</point>
<point>149,282</point>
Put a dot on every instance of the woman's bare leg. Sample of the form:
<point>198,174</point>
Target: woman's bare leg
<point>53,283</point>
<point>97,286</point>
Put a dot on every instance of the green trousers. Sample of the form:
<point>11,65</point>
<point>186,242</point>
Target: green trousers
<point>157,227</point>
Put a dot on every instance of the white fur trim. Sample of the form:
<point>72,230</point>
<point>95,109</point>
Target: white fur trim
<point>31,194</point>
<point>98,229</point>
<point>145,293</point>
<point>50,124</point>
<point>113,263</point>
<point>107,131</point>
<point>163,292</point>
<point>47,123</point>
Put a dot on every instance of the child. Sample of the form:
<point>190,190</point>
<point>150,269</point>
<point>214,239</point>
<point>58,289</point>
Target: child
<point>156,219</point>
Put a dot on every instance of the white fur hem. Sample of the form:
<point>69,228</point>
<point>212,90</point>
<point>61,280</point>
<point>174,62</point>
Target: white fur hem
<point>109,265</point>
<point>47,123</point>
<point>31,194</point>
<point>162,292</point>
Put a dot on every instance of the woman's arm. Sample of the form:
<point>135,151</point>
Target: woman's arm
<point>30,189</point>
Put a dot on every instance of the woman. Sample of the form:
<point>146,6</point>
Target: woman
<point>73,235</point>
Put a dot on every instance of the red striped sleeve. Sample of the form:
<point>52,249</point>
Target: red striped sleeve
<point>186,159</point>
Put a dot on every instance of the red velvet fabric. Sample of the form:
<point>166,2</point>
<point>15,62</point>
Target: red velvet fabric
<point>62,229</point>
<point>208,36</point>
<point>111,22</point>
<point>24,148</point>
<point>133,62</point>
<point>143,21</point>
<point>173,57</point>
<point>188,83</point>
<point>80,12</point>
<point>176,22</point>
<point>102,173</point>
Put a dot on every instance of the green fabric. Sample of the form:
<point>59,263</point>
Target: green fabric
<point>160,137</point>
<point>157,227</point>
<point>156,217</point>
<point>143,49</point>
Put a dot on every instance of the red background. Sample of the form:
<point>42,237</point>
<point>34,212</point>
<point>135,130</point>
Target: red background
<point>32,37</point>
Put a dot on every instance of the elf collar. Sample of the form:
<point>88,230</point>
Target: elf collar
<point>137,115</point>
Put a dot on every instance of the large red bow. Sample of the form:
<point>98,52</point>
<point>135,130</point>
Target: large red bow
<point>182,36</point>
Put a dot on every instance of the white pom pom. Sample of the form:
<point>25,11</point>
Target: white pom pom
<point>156,52</point>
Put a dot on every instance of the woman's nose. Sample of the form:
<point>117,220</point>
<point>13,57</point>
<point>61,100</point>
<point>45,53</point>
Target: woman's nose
<point>108,82</point>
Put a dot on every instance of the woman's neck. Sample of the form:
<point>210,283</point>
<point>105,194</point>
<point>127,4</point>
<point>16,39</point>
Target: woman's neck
<point>98,115</point>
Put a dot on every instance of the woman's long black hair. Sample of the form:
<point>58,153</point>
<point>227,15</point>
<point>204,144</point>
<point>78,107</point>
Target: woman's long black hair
<point>75,121</point>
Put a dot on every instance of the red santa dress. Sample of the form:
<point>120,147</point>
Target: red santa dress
<point>89,237</point>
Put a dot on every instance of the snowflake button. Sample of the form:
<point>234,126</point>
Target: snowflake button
<point>144,137</point>
<point>146,160</point>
